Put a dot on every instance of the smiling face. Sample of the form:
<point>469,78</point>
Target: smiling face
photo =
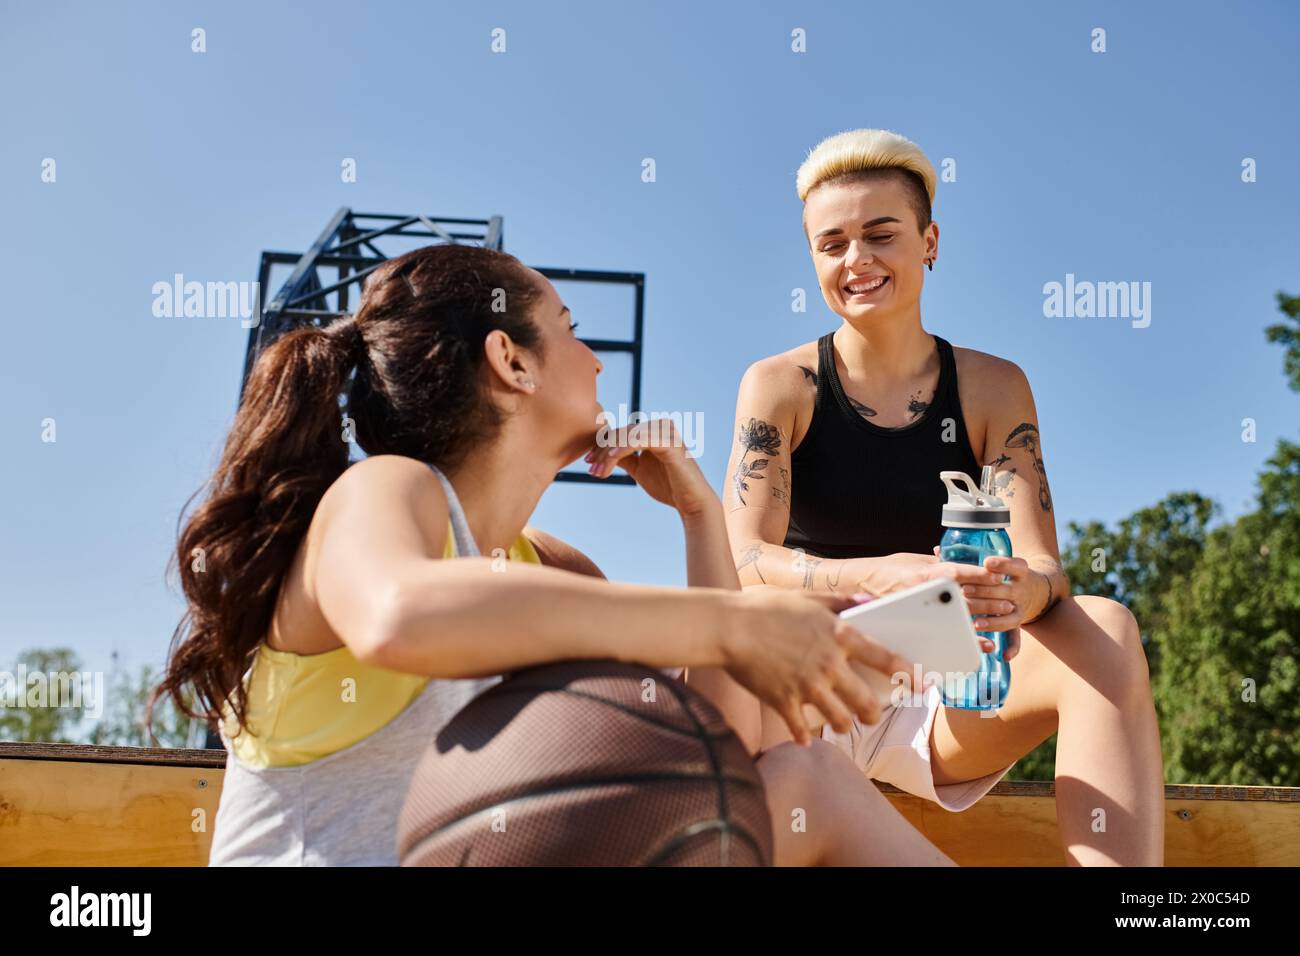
<point>867,247</point>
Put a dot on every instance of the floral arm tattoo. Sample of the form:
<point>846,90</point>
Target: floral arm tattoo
<point>757,437</point>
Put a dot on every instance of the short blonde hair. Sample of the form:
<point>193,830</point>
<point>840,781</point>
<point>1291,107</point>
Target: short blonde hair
<point>857,153</point>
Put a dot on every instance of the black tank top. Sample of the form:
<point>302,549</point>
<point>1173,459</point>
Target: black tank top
<point>862,491</point>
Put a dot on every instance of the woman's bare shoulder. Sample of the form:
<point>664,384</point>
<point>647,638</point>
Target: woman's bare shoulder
<point>782,388</point>
<point>787,374</point>
<point>390,471</point>
<point>985,371</point>
<point>560,554</point>
<point>380,508</point>
<point>984,380</point>
<point>989,387</point>
<point>383,484</point>
<point>798,363</point>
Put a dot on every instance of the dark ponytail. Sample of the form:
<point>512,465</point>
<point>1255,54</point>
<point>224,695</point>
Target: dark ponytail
<point>416,344</point>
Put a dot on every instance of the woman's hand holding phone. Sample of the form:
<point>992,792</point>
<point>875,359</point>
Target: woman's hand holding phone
<point>791,649</point>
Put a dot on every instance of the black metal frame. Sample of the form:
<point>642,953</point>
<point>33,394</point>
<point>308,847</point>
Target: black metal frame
<point>347,245</point>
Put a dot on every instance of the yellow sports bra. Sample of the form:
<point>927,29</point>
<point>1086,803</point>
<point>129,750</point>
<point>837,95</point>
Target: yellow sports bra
<point>302,707</point>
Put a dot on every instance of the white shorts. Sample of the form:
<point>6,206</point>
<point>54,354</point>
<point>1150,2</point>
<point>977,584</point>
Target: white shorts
<point>897,751</point>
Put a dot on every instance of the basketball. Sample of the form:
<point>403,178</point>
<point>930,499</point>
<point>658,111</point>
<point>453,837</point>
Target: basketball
<point>589,763</point>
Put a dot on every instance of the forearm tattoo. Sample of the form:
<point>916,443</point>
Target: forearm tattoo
<point>833,579</point>
<point>756,437</point>
<point>1053,598</point>
<point>749,556</point>
<point>809,570</point>
<point>1025,435</point>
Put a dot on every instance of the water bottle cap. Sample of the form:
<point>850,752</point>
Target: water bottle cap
<point>973,507</point>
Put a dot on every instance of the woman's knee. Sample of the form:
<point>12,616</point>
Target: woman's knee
<point>1124,647</point>
<point>792,773</point>
<point>806,761</point>
<point>813,794</point>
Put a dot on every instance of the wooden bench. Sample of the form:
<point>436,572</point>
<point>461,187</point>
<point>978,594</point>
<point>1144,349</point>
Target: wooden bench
<point>75,805</point>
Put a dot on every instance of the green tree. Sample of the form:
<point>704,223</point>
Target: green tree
<point>122,724</point>
<point>1137,563</point>
<point>1142,560</point>
<point>1229,691</point>
<point>1287,334</point>
<point>49,721</point>
<point>1219,610</point>
<point>121,719</point>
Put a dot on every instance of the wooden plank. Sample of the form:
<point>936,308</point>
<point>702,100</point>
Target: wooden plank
<point>217,758</point>
<point>999,830</point>
<point>1201,829</point>
<point>70,813</point>
<point>136,807</point>
<point>1173,791</point>
<point>167,756</point>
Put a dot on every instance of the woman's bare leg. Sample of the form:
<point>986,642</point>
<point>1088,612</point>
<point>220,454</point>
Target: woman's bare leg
<point>1081,671</point>
<point>825,812</point>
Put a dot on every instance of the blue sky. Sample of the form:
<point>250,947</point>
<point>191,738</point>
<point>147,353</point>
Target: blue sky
<point>1115,166</point>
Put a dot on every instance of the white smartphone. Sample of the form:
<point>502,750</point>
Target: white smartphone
<point>930,625</point>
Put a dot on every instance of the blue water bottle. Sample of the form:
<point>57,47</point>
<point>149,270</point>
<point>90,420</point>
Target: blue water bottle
<point>976,523</point>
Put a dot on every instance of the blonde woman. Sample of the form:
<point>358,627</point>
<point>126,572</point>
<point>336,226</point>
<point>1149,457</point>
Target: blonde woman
<point>833,488</point>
